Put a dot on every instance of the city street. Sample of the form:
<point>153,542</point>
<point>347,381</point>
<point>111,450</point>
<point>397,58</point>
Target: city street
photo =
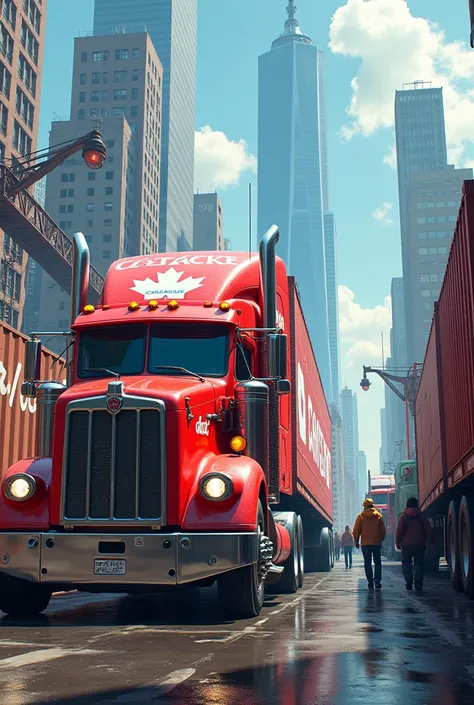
<point>334,643</point>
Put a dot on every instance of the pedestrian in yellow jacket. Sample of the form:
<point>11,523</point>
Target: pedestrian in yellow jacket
<point>369,531</point>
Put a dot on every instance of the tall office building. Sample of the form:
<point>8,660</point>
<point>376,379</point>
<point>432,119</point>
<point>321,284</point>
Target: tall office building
<point>333,303</point>
<point>22,27</point>
<point>208,226</point>
<point>117,78</point>
<point>338,470</point>
<point>433,205</point>
<point>291,163</point>
<point>362,475</point>
<point>350,422</point>
<point>421,146</point>
<point>172,26</point>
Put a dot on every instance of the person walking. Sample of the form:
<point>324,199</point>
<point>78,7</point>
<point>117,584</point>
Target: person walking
<point>347,541</point>
<point>413,531</point>
<point>337,545</point>
<point>369,532</point>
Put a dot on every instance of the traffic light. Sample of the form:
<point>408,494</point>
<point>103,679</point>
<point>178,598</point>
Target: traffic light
<point>94,151</point>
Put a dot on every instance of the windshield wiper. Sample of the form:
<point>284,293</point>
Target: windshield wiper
<point>180,369</point>
<point>102,369</point>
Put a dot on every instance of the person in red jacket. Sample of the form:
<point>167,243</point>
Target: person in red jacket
<point>413,531</point>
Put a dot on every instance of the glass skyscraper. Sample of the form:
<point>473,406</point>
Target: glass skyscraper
<point>292,184</point>
<point>172,26</point>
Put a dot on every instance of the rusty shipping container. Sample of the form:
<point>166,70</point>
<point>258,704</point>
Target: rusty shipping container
<point>17,414</point>
<point>445,400</point>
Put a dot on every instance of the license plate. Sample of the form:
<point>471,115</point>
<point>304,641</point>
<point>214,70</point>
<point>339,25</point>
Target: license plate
<point>109,567</point>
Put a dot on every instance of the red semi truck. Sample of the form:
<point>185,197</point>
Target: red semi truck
<point>444,412</point>
<point>382,491</point>
<point>190,445</point>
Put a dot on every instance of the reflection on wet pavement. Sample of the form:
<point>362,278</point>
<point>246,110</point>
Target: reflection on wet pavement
<point>334,643</point>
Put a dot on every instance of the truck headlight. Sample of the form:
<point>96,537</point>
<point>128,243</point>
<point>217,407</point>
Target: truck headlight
<point>20,487</point>
<point>216,487</point>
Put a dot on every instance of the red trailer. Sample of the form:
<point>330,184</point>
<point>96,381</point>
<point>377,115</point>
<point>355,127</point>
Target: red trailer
<point>190,445</point>
<point>444,416</point>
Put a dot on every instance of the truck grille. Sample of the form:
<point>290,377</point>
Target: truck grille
<point>114,465</point>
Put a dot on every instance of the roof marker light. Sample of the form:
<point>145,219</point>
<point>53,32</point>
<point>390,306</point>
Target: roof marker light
<point>173,305</point>
<point>89,308</point>
<point>134,306</point>
<point>152,305</point>
<point>105,307</point>
<point>207,304</point>
<point>224,306</point>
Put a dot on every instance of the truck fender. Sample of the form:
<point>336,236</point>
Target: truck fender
<point>239,511</point>
<point>34,513</point>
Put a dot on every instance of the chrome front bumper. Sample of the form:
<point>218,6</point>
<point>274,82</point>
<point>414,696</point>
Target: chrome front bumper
<point>150,559</point>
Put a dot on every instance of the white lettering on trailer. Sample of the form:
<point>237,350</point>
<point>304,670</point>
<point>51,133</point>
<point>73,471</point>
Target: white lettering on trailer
<point>202,427</point>
<point>172,260</point>
<point>12,389</point>
<point>311,432</point>
<point>280,321</point>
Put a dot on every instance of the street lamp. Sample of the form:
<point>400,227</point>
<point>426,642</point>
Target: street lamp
<point>471,17</point>
<point>365,384</point>
<point>94,153</point>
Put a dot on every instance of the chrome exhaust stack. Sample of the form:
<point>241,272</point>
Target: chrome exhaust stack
<point>81,261</point>
<point>268,275</point>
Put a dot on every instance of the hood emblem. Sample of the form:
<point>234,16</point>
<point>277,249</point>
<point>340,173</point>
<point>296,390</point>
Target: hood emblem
<point>168,284</point>
<point>114,404</point>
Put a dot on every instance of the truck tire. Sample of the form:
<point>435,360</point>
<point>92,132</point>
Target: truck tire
<point>333,557</point>
<point>288,584</point>
<point>323,553</point>
<point>452,543</point>
<point>300,552</point>
<point>242,591</point>
<point>20,598</point>
<point>466,546</point>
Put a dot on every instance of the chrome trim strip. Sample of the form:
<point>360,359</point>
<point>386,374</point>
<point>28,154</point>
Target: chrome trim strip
<point>113,453</point>
<point>130,403</point>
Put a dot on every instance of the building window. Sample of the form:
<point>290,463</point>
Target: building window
<point>121,54</point>
<point>442,251</point>
<point>106,254</point>
<point>426,292</point>
<point>109,190</point>
<point>89,207</point>
<point>134,111</point>
<point>110,144</point>
<point>421,220</point>
<point>134,93</point>
<point>96,56</point>
<point>433,250</point>
<point>135,75</point>
<point>24,108</point>
<point>106,55</point>
<point>135,54</point>
<point>109,175</point>
<point>120,76</point>
<point>441,219</point>
<point>90,223</point>
<point>107,238</point>
<point>422,236</point>
<point>434,277</point>
<point>95,96</point>
<point>422,250</point>
<point>452,204</point>
<point>82,97</point>
<point>120,94</point>
<point>83,79</point>
<point>430,204</point>
<point>421,205</point>
<point>70,208</point>
<point>105,95</point>
<point>452,218</point>
<point>91,191</point>
<point>3,118</point>
<point>105,77</point>
<point>108,222</point>
<point>68,177</point>
<point>440,204</point>
<point>107,206</point>
<point>21,140</point>
<point>424,278</point>
<point>96,77</point>
<point>91,176</point>
<point>83,57</point>
<point>430,219</point>
<point>80,114</point>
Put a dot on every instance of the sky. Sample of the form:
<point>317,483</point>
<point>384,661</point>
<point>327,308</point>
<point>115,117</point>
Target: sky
<point>371,49</point>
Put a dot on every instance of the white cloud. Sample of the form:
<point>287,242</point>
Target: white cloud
<point>390,159</point>
<point>360,328</point>
<point>394,47</point>
<point>382,214</point>
<point>219,161</point>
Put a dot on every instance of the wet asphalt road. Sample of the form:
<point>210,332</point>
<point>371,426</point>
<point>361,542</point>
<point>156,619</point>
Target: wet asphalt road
<point>334,643</point>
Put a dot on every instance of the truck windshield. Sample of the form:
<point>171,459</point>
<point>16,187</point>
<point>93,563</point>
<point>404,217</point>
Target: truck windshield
<point>120,349</point>
<point>381,498</point>
<point>203,349</point>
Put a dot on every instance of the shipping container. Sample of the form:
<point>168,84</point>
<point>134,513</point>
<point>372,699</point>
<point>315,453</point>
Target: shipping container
<point>18,414</point>
<point>444,410</point>
<point>311,419</point>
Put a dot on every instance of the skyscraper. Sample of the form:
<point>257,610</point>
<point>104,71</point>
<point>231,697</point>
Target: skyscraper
<point>208,225</point>
<point>338,469</point>
<point>22,27</point>
<point>350,422</point>
<point>172,26</point>
<point>362,475</point>
<point>117,78</point>
<point>421,146</point>
<point>291,173</point>
<point>333,303</point>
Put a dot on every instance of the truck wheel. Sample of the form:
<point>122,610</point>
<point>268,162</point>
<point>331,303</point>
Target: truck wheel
<point>21,598</point>
<point>466,546</point>
<point>453,545</point>
<point>323,553</point>
<point>242,591</point>
<point>333,559</point>
<point>289,580</point>
<point>300,552</point>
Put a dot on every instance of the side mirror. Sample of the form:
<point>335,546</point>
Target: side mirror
<point>28,390</point>
<point>32,360</point>
<point>283,387</point>
<point>276,351</point>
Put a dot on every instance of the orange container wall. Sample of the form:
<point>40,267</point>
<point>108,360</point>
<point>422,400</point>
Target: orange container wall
<point>17,414</point>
